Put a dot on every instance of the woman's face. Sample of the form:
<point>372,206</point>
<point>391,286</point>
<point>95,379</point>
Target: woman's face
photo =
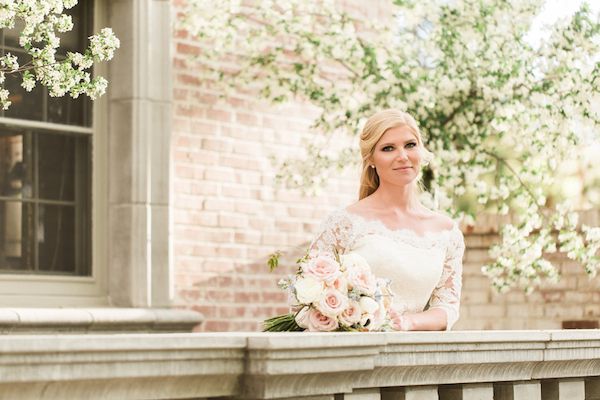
<point>397,157</point>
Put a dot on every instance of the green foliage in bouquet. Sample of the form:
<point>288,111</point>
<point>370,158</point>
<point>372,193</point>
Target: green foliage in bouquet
<point>282,323</point>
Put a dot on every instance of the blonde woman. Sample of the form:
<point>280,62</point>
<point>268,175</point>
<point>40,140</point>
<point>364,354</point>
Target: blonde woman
<point>420,250</point>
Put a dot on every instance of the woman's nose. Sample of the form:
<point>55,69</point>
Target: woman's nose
<point>402,155</point>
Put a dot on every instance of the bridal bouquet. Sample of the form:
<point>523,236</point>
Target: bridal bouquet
<point>338,293</point>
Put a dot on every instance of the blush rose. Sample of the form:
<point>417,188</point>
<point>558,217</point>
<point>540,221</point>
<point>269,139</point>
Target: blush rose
<point>333,303</point>
<point>318,322</point>
<point>351,315</point>
<point>324,268</point>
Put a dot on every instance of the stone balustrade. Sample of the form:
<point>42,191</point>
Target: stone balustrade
<point>467,365</point>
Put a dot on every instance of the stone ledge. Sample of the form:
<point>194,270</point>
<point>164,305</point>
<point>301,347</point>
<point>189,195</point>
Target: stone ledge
<point>94,320</point>
<point>296,364</point>
<point>120,366</point>
<point>283,366</point>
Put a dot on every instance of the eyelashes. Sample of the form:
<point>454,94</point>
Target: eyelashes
<point>410,145</point>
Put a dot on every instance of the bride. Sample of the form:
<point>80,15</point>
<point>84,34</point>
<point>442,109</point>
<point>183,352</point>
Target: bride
<point>418,249</point>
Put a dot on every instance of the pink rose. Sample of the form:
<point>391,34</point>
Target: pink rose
<point>317,322</point>
<point>333,303</point>
<point>361,279</point>
<point>324,268</point>
<point>351,315</point>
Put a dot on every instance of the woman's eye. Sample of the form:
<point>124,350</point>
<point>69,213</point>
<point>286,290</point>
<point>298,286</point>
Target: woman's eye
<point>411,145</point>
<point>387,148</point>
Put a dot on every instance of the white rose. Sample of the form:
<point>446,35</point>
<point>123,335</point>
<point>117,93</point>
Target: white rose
<point>368,305</point>
<point>378,318</point>
<point>353,260</point>
<point>308,289</point>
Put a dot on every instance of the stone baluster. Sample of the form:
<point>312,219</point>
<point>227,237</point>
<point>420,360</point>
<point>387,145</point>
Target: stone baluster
<point>473,391</point>
<point>563,389</point>
<point>410,393</point>
<point>363,394</point>
<point>592,389</point>
<point>524,390</point>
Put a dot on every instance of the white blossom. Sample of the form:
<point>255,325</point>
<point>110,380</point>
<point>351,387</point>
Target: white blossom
<point>42,22</point>
<point>500,115</point>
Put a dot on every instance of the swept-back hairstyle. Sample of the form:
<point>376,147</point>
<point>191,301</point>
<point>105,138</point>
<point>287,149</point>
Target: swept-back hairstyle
<point>374,129</point>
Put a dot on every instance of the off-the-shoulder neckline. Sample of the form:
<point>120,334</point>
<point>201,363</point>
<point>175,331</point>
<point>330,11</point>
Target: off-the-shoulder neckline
<point>380,223</point>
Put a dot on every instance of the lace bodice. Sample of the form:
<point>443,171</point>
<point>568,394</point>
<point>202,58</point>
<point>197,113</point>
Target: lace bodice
<point>425,270</point>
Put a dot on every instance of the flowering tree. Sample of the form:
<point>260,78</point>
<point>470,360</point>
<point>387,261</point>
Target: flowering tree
<point>499,113</point>
<point>42,20</point>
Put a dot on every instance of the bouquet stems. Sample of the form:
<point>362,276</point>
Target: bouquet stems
<point>282,323</point>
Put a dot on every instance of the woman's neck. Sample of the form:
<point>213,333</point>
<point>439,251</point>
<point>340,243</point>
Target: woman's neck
<point>400,198</point>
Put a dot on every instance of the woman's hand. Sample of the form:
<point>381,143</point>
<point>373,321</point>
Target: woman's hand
<point>401,322</point>
<point>434,319</point>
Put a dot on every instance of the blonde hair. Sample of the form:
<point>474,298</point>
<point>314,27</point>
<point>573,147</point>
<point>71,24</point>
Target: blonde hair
<point>374,129</point>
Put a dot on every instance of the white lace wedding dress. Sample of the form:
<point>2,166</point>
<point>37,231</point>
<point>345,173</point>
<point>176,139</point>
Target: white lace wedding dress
<point>425,270</point>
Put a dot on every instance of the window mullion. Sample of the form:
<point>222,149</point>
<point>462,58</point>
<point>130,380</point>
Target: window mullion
<point>78,219</point>
<point>35,195</point>
<point>45,105</point>
<point>48,202</point>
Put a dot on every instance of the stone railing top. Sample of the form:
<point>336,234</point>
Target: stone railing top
<point>312,340</point>
<point>83,320</point>
<point>290,365</point>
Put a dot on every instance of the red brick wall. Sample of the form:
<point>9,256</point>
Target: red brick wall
<point>228,213</point>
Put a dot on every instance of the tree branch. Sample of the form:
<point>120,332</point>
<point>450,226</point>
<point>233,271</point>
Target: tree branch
<point>502,160</point>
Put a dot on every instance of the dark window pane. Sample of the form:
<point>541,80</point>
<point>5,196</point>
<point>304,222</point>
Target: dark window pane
<point>67,110</point>
<point>11,36</point>
<point>56,238</point>
<point>77,38</point>
<point>25,105</point>
<point>17,230</point>
<point>16,161</point>
<point>56,160</point>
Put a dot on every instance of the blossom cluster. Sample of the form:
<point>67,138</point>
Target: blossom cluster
<point>499,113</point>
<point>329,294</point>
<point>43,22</point>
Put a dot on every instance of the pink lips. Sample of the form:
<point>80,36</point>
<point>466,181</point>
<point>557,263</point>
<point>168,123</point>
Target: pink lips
<point>402,168</point>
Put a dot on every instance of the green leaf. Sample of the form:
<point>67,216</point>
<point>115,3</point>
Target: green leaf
<point>273,261</point>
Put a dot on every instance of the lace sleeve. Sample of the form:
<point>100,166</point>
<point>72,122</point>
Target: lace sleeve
<point>335,233</point>
<point>446,294</point>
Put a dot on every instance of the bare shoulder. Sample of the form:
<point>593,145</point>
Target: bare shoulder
<point>360,207</point>
<point>439,220</point>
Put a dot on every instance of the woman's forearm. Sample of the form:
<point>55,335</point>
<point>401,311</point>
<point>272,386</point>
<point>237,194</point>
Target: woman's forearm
<point>434,319</point>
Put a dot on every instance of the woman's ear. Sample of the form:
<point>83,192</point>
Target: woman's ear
<point>370,162</point>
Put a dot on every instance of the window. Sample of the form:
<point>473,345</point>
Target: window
<point>45,169</point>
